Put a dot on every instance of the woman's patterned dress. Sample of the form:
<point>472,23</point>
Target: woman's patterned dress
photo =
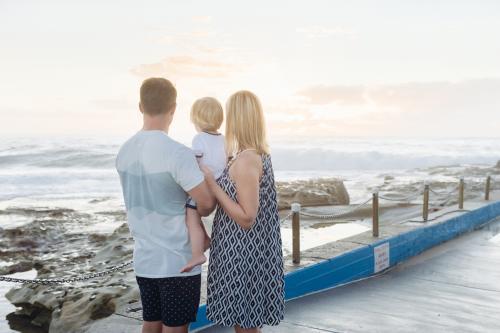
<point>245,271</point>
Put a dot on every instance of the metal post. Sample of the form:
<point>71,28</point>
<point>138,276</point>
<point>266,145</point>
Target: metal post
<point>461,193</point>
<point>487,188</point>
<point>296,233</point>
<point>375,214</point>
<point>425,210</point>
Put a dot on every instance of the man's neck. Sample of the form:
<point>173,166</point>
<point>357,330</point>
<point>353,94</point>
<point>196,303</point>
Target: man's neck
<point>156,123</point>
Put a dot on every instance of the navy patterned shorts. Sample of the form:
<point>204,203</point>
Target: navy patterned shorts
<point>174,300</point>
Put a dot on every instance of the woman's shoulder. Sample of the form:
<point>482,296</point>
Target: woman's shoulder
<point>249,156</point>
<point>247,162</point>
<point>252,157</point>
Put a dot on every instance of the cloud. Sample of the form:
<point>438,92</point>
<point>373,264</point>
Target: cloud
<point>344,95</point>
<point>202,19</point>
<point>442,108</point>
<point>183,66</point>
<point>314,32</point>
<point>199,53</point>
<point>188,38</point>
<point>411,96</point>
<point>113,103</point>
<point>209,50</point>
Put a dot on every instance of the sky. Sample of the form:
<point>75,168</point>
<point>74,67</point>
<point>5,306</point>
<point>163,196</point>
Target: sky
<point>320,68</point>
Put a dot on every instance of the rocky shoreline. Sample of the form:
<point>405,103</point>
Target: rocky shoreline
<point>52,246</point>
<point>53,249</point>
<point>55,243</point>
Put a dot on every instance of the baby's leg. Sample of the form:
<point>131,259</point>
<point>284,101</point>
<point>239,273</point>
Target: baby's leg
<point>207,238</point>
<point>197,236</point>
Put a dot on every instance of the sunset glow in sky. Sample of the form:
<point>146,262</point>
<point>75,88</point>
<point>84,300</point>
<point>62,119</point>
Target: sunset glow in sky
<point>321,68</point>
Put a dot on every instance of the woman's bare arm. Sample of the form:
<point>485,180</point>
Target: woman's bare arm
<point>205,200</point>
<point>245,172</point>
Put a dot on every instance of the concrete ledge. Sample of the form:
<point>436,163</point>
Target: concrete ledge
<point>359,262</point>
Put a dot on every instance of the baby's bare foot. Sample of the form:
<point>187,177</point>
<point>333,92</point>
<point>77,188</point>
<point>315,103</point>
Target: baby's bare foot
<point>195,261</point>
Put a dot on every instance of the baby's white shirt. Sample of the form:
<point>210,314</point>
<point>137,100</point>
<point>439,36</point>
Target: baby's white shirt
<point>213,149</point>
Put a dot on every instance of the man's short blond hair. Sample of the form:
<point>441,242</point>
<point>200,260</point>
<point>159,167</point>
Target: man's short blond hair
<point>207,114</point>
<point>158,96</point>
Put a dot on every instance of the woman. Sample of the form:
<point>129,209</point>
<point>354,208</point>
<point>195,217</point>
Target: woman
<point>245,272</point>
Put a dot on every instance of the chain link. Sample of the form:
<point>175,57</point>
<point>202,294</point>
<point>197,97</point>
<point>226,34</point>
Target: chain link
<point>441,203</point>
<point>286,218</point>
<point>334,214</point>
<point>67,280</point>
<point>405,199</point>
<point>446,194</point>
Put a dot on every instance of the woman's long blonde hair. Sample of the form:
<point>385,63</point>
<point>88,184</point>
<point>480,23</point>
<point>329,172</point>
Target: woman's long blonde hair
<point>245,124</point>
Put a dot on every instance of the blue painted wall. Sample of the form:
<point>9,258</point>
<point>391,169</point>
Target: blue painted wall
<point>359,263</point>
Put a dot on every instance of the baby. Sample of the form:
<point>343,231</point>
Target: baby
<point>208,145</point>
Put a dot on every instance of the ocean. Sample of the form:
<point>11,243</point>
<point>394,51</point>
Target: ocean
<point>72,171</point>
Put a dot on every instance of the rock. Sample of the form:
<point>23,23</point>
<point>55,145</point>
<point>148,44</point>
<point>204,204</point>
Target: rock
<point>19,321</point>
<point>315,192</point>
<point>105,306</point>
<point>97,238</point>
<point>498,165</point>
<point>50,243</point>
<point>21,266</point>
<point>74,315</point>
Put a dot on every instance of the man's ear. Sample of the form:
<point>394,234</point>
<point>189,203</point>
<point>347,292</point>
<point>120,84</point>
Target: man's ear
<point>140,108</point>
<point>173,108</point>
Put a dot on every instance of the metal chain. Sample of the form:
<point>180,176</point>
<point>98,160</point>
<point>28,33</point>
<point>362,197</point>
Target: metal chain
<point>439,204</point>
<point>67,280</point>
<point>339,214</point>
<point>285,218</point>
<point>445,193</point>
<point>405,199</point>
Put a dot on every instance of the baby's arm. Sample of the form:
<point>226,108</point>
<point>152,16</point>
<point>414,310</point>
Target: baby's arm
<point>198,148</point>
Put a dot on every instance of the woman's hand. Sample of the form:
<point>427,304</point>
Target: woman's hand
<point>209,176</point>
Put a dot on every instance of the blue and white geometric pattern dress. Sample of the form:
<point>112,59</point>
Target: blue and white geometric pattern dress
<point>245,271</point>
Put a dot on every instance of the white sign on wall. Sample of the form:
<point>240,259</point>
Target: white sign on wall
<point>381,257</point>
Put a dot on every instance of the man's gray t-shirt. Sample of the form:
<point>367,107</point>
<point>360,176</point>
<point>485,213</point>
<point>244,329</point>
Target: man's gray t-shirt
<point>155,173</point>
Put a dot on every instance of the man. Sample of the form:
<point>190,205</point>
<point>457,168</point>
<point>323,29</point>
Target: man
<point>157,174</point>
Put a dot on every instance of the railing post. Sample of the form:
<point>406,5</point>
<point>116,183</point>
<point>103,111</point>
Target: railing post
<point>487,188</point>
<point>296,233</point>
<point>461,193</point>
<point>425,209</point>
<point>375,214</point>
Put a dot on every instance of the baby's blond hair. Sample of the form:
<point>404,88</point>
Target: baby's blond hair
<point>207,114</point>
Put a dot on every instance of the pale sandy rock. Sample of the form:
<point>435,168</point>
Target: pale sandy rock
<point>314,192</point>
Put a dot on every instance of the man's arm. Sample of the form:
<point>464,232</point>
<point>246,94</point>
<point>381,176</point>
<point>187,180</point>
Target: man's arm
<point>188,175</point>
<point>205,200</point>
